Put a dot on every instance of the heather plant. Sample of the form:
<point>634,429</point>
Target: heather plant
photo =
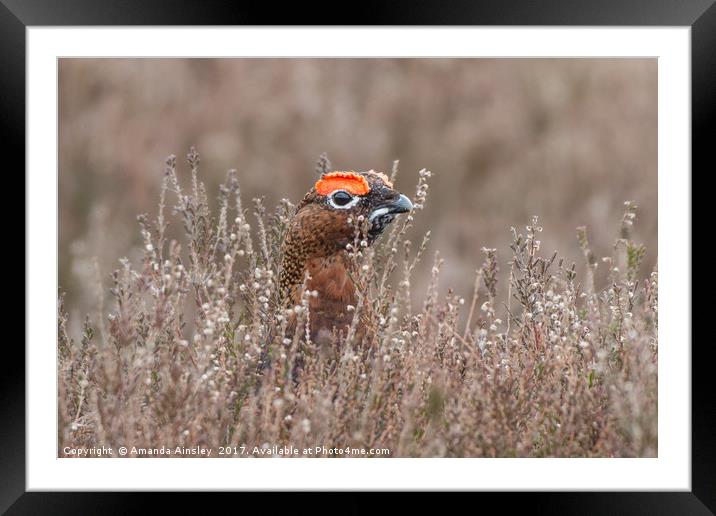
<point>193,349</point>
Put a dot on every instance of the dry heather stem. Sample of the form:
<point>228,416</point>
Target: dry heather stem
<point>561,369</point>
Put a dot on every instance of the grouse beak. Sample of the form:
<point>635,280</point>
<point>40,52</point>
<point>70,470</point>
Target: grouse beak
<point>400,205</point>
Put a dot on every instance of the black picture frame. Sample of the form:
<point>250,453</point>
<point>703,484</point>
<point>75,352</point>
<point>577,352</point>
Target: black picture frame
<point>700,15</point>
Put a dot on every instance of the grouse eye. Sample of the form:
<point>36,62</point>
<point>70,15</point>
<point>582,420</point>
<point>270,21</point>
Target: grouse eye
<point>342,198</point>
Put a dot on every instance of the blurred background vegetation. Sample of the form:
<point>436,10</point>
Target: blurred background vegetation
<point>566,139</point>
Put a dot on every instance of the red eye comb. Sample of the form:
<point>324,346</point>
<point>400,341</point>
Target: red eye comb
<point>351,182</point>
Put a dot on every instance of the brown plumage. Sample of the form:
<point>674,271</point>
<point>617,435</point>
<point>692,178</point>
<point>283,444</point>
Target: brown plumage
<point>323,225</point>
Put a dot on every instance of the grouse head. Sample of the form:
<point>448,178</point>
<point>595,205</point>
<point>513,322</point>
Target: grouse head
<point>341,201</point>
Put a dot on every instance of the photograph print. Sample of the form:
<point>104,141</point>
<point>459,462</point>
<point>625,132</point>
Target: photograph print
<point>357,258</point>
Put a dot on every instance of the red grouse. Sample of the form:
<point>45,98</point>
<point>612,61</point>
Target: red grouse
<point>316,242</point>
